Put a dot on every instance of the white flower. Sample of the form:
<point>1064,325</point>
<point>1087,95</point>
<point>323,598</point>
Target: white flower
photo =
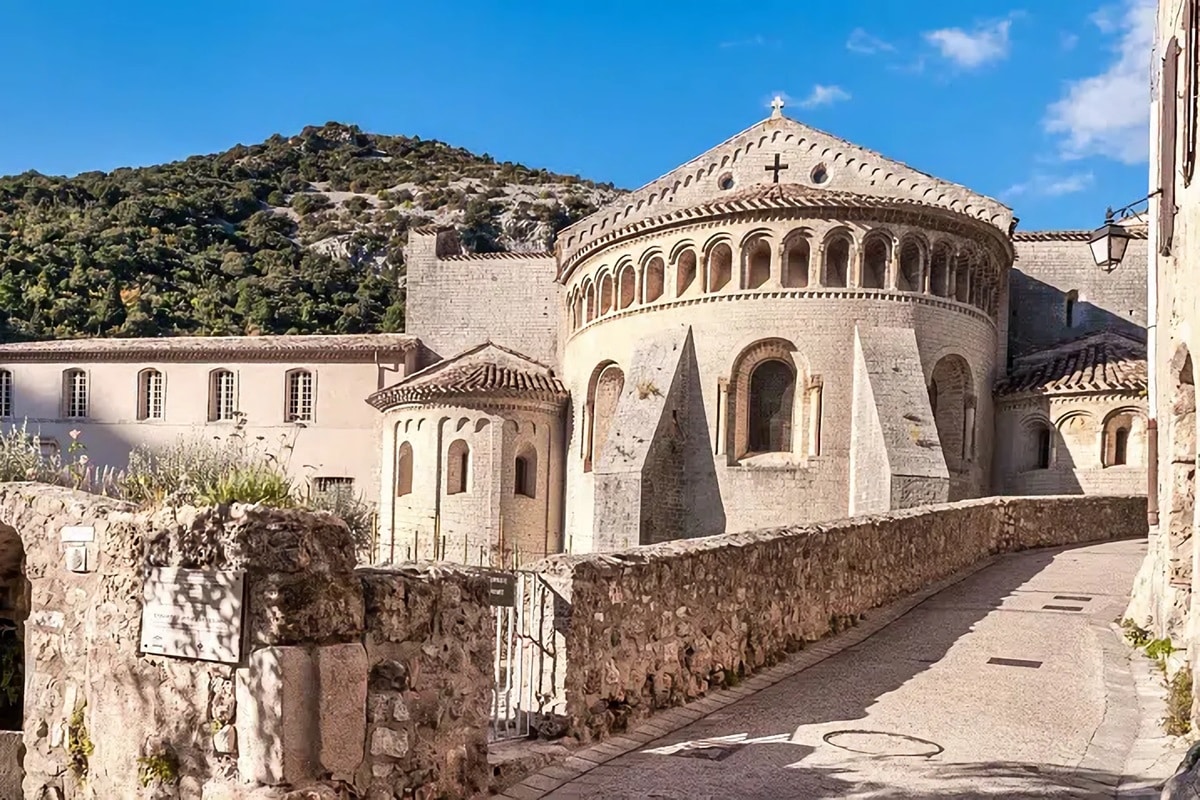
<point>75,434</point>
<point>83,459</point>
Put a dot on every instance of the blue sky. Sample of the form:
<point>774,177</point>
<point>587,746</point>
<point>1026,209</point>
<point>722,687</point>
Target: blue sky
<point>1042,105</point>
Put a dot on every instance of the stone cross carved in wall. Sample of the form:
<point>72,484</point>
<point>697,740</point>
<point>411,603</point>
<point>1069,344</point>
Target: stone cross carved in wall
<point>776,168</point>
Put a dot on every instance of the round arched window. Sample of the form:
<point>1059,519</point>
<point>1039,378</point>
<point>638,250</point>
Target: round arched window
<point>820,174</point>
<point>725,181</point>
<point>772,385</point>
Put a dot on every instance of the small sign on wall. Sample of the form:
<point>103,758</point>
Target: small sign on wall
<point>76,557</point>
<point>502,589</point>
<point>193,613</point>
<point>76,534</point>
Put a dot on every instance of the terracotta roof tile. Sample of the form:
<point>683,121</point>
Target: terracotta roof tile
<point>511,256</point>
<point>485,371</point>
<point>1100,362</point>
<point>1135,232</point>
<point>321,347</point>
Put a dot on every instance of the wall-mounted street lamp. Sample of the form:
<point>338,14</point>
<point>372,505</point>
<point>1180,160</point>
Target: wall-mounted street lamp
<point>1109,241</point>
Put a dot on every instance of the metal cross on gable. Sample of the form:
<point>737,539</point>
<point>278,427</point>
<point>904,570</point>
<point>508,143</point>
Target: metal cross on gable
<point>776,168</point>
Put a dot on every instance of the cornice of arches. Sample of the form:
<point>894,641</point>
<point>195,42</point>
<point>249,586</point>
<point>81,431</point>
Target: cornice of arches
<point>879,210</point>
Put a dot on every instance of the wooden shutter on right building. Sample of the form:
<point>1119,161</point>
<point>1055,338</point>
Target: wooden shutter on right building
<point>1191,65</point>
<point>1167,142</point>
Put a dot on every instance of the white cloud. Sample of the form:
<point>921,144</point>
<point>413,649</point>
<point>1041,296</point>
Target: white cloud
<point>1108,114</point>
<point>1045,185</point>
<point>824,96</point>
<point>970,49</point>
<point>1107,18</point>
<point>862,42</point>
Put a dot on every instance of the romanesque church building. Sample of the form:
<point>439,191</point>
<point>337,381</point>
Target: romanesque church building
<point>788,328</point>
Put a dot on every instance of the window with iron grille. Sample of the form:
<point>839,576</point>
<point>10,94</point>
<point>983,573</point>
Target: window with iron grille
<point>299,396</point>
<point>332,486</point>
<point>222,396</point>
<point>150,394</point>
<point>75,393</point>
<point>6,392</point>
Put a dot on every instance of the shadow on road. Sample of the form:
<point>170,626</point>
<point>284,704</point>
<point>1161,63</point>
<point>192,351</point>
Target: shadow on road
<point>766,746</point>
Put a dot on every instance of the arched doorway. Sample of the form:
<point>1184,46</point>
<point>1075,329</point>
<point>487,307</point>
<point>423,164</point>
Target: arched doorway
<point>951,399</point>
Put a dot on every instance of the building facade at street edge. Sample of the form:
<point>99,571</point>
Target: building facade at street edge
<point>1165,593</point>
<point>787,328</point>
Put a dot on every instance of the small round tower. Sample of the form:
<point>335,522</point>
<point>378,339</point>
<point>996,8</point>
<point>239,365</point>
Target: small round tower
<point>473,453</point>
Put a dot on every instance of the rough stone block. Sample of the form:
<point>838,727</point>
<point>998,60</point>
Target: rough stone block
<point>10,764</point>
<point>225,740</point>
<point>342,677</point>
<point>388,742</point>
<point>276,721</point>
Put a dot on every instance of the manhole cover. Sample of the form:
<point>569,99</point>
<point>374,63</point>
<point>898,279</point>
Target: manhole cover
<point>880,743</point>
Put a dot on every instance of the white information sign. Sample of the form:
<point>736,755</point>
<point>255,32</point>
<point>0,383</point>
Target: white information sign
<point>78,533</point>
<point>193,613</point>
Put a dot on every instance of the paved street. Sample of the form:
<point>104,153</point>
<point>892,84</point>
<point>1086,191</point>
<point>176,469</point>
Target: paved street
<point>1009,683</point>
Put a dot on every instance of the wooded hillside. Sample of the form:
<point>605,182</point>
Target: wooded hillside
<point>294,235</point>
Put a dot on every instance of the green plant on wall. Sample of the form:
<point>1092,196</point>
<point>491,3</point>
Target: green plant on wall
<point>1179,704</point>
<point>79,743</point>
<point>1159,648</point>
<point>161,767</point>
<point>1136,634</point>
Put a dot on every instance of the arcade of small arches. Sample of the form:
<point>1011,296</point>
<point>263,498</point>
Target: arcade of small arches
<point>817,256</point>
<point>1074,440</point>
<point>459,471</point>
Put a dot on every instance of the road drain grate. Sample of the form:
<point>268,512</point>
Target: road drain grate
<point>1078,598</point>
<point>1063,608</point>
<point>1014,662</point>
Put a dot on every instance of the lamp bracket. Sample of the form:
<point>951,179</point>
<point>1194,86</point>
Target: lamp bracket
<point>1110,215</point>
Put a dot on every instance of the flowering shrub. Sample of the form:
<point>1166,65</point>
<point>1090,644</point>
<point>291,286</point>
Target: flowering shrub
<point>189,471</point>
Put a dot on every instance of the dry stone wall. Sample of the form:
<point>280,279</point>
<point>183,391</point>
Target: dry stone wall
<point>662,625</point>
<point>375,681</point>
<point>429,641</point>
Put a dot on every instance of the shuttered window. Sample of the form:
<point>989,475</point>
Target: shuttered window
<point>1191,63</point>
<point>1168,141</point>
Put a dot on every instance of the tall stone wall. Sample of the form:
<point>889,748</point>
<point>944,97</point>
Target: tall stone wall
<point>1078,461</point>
<point>907,450</point>
<point>324,651</point>
<point>429,641</point>
<point>1051,264</point>
<point>661,625</point>
<point>457,301</point>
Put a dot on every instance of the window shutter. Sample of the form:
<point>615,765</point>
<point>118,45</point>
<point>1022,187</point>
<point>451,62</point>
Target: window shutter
<point>1167,136</point>
<point>1191,61</point>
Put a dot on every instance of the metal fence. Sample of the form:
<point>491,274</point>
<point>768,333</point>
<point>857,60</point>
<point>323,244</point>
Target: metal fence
<point>512,681</point>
